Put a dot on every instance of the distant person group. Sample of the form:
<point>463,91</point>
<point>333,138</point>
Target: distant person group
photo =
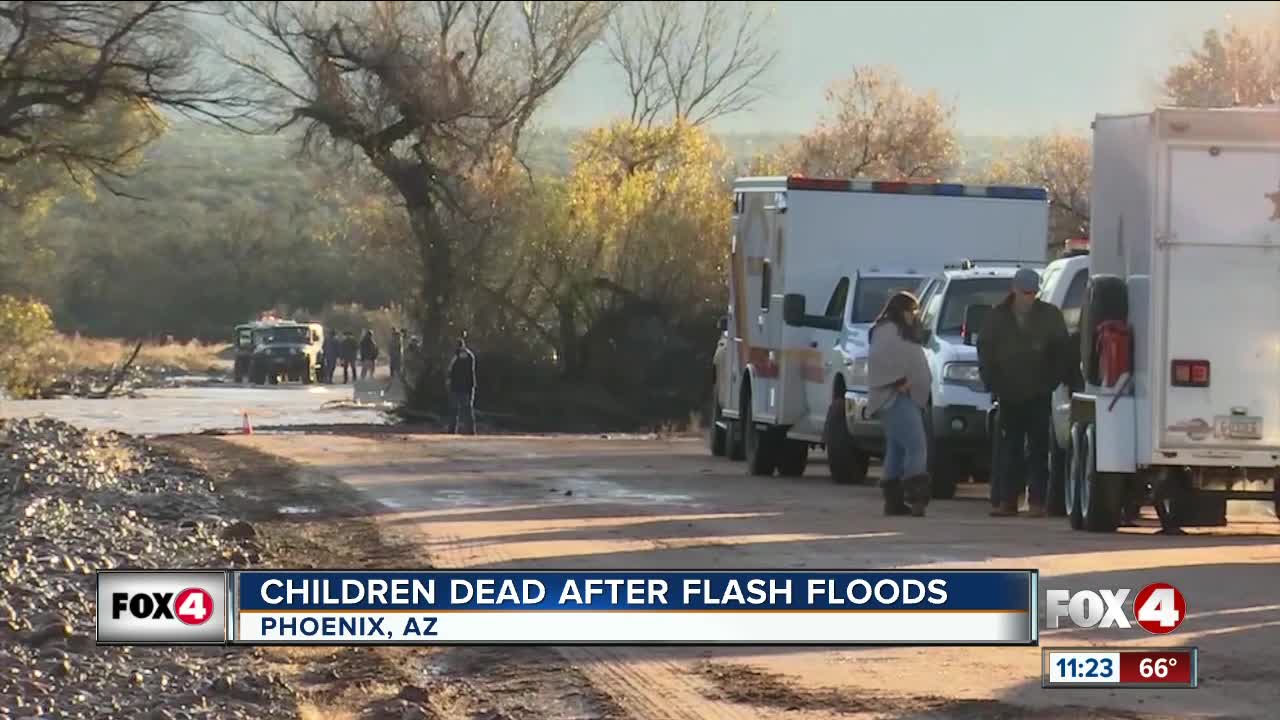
<point>361,355</point>
<point>358,356</point>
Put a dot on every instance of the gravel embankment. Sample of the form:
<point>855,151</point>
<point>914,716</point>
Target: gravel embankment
<point>72,502</point>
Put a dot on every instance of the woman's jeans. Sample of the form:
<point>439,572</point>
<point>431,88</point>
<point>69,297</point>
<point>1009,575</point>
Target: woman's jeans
<point>906,451</point>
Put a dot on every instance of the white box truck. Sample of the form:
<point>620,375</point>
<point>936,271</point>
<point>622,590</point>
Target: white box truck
<point>1180,337</point>
<point>803,246</point>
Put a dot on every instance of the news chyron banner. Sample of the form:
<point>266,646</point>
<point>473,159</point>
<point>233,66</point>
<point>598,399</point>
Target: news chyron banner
<point>439,607</point>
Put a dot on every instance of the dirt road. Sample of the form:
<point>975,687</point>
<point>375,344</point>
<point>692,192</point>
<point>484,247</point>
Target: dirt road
<point>579,503</point>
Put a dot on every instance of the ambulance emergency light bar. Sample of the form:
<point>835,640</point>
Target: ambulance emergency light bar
<point>557,607</point>
<point>1005,192</point>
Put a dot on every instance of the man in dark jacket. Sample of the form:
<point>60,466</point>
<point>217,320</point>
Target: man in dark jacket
<point>331,351</point>
<point>350,349</point>
<point>462,389</point>
<point>368,354</point>
<point>1023,355</point>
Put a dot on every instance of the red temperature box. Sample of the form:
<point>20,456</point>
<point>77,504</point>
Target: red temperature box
<point>1167,667</point>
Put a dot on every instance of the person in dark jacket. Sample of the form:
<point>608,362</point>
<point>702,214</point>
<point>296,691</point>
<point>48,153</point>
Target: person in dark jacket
<point>395,353</point>
<point>331,349</point>
<point>368,354</point>
<point>350,349</point>
<point>1023,355</point>
<point>462,389</point>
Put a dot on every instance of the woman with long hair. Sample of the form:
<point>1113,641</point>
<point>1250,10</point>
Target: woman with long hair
<point>899,379</point>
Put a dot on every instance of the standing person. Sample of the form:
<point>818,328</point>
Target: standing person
<point>350,348</point>
<point>368,354</point>
<point>462,389</point>
<point>332,347</point>
<point>1023,355</point>
<point>395,353</point>
<point>899,380</point>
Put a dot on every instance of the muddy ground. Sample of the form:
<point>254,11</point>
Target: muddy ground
<point>579,502</point>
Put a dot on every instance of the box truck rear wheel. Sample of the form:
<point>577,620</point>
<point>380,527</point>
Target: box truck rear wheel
<point>847,464</point>
<point>1102,495</point>
<point>793,458</point>
<point>1075,476</point>
<point>1055,494</point>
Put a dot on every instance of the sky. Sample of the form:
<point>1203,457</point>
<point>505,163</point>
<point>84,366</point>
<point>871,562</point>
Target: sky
<point>1010,68</point>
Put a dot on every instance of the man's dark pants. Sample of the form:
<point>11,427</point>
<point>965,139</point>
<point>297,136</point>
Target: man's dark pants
<point>1024,447</point>
<point>464,418</point>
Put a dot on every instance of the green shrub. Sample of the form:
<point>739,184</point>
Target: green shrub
<point>24,326</point>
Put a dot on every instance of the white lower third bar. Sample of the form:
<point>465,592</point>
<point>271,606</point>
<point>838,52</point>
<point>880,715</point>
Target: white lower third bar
<point>551,627</point>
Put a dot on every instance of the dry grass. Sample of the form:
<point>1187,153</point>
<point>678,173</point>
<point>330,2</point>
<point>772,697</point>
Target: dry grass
<point>74,353</point>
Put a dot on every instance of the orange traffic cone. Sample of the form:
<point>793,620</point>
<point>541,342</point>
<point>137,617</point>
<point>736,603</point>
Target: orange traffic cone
<point>246,427</point>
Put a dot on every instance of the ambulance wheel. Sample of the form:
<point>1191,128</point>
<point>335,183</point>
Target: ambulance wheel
<point>717,436</point>
<point>793,458</point>
<point>1055,494</point>
<point>847,464</point>
<point>1075,475</point>
<point>761,442</point>
<point>1102,494</point>
<point>734,445</point>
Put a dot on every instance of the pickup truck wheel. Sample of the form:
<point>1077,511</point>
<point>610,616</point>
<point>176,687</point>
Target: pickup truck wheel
<point>717,436</point>
<point>948,470</point>
<point>1101,495</point>
<point>1055,494</point>
<point>1075,475</point>
<point>847,464</point>
<point>793,458</point>
<point>761,443</point>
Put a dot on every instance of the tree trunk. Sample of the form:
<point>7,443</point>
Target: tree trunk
<point>436,303</point>
<point>570,357</point>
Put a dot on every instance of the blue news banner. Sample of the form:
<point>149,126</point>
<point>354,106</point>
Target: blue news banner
<point>978,607</point>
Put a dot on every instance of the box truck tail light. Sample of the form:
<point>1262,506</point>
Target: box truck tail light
<point>1191,373</point>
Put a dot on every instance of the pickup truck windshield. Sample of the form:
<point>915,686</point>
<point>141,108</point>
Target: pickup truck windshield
<point>969,291</point>
<point>287,336</point>
<point>874,292</point>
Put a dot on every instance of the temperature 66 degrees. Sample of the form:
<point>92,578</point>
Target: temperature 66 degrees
<point>1156,667</point>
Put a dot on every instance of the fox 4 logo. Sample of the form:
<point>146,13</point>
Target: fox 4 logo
<point>192,606</point>
<point>1159,608</point>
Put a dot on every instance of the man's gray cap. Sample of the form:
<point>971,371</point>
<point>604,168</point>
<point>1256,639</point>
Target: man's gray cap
<point>1026,280</point>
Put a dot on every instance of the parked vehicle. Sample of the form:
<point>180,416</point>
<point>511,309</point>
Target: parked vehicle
<point>1181,366</point>
<point>782,375</point>
<point>243,343</point>
<point>286,350</point>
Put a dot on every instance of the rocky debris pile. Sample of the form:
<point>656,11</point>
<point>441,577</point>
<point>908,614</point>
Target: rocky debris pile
<point>72,502</point>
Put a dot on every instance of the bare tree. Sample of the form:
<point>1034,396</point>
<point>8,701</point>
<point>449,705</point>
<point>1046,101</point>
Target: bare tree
<point>81,84</point>
<point>1238,68</point>
<point>876,127</point>
<point>1062,163</point>
<point>691,61</point>
<point>428,95</point>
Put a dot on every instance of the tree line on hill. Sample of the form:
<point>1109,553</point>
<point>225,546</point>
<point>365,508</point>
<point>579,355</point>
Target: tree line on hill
<point>405,170</point>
